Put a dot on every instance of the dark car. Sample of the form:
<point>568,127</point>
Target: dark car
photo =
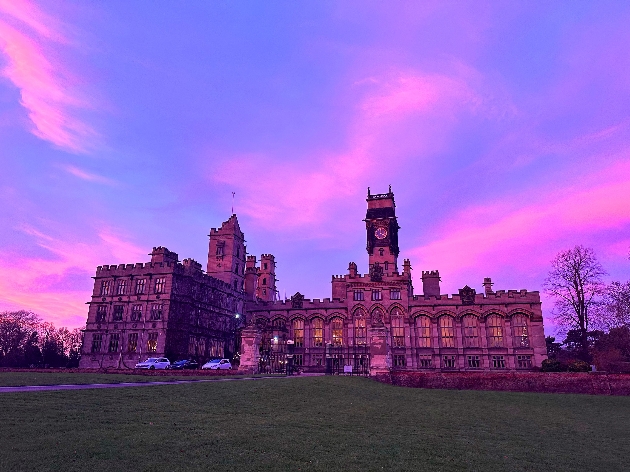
<point>185,364</point>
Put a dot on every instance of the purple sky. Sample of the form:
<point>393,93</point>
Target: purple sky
<point>503,128</point>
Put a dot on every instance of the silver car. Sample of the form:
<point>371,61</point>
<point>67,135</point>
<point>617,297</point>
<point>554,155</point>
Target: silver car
<point>154,363</point>
<point>218,364</point>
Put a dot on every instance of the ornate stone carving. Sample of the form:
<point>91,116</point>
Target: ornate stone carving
<point>376,272</point>
<point>297,300</point>
<point>467,295</point>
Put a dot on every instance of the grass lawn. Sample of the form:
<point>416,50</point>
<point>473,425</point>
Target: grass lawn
<point>18,379</point>
<point>313,423</point>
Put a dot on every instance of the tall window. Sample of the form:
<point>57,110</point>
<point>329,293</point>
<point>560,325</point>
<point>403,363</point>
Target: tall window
<point>360,334</point>
<point>358,295</point>
<point>192,346</point>
<point>424,361</point>
<point>494,324</point>
<point>152,342</point>
<point>318,332</point>
<point>114,340</point>
<point>101,313</point>
<point>524,362</point>
<point>136,313</point>
<point>140,286</point>
<point>298,332</point>
<point>377,295</point>
<point>447,331</point>
<point>132,344</point>
<point>498,362</point>
<point>471,331</point>
<point>423,331</point>
<point>337,331</point>
<point>264,281</point>
<point>118,312</point>
<point>519,331</point>
<point>97,342</point>
<point>159,285</point>
<point>106,286</point>
<point>156,312</point>
<point>121,287</point>
<point>394,294</point>
<point>220,246</point>
<point>448,362</point>
<point>474,362</point>
<point>398,331</point>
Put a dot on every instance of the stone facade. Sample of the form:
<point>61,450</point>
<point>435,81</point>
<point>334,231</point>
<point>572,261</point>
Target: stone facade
<point>167,308</point>
<point>375,319</point>
<point>373,322</point>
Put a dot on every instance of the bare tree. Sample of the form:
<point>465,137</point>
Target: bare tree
<point>614,309</point>
<point>575,281</point>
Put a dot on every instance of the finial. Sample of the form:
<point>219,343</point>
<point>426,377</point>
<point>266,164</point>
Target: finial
<point>390,188</point>
<point>368,191</point>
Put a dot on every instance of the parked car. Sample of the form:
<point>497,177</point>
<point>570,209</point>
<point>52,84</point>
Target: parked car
<point>185,364</point>
<point>218,364</point>
<point>154,363</point>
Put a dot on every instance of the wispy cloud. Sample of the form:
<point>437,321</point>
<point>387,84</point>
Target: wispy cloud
<point>90,177</point>
<point>302,188</point>
<point>57,286</point>
<point>28,38</point>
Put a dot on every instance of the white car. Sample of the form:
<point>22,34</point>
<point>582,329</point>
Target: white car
<point>217,364</point>
<point>154,363</point>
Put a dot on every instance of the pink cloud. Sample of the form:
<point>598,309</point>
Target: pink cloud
<point>46,88</point>
<point>50,287</point>
<point>303,190</point>
<point>499,237</point>
<point>90,177</point>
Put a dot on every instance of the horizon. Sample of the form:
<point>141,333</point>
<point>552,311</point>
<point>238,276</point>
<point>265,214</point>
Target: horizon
<point>502,129</point>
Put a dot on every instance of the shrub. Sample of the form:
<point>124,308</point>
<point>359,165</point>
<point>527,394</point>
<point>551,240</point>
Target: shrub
<point>579,366</point>
<point>552,365</point>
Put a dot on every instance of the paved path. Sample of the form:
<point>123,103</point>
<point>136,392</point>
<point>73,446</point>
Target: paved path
<point>41,388</point>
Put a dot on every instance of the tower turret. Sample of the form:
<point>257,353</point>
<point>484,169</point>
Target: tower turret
<point>382,231</point>
<point>251,276</point>
<point>267,278</point>
<point>226,253</point>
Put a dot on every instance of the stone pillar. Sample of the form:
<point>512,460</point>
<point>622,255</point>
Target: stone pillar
<point>380,356</point>
<point>250,349</point>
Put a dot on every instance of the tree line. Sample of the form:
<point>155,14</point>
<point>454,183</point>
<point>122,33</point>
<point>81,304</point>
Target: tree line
<point>28,341</point>
<point>594,315</point>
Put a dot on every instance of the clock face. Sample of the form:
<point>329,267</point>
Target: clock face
<point>380,233</point>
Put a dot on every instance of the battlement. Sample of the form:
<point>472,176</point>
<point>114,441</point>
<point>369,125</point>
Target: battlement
<point>340,278</point>
<point>267,256</point>
<point>191,264</point>
<point>252,259</point>
<point>307,304</point>
<point>524,295</point>
<point>429,273</point>
<point>162,254</point>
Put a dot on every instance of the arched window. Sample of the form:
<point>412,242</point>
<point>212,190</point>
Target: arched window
<point>278,324</point>
<point>360,334</point>
<point>337,331</point>
<point>423,330</point>
<point>494,325</point>
<point>298,332</point>
<point>447,331</point>
<point>520,332</point>
<point>318,332</point>
<point>471,331</point>
<point>398,331</point>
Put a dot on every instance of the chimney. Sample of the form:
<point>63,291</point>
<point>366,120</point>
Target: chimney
<point>431,283</point>
<point>487,285</point>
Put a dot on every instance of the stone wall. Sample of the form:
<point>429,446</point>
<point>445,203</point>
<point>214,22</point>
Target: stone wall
<point>542,382</point>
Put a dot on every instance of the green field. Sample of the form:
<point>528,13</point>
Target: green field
<point>313,423</point>
<point>17,379</point>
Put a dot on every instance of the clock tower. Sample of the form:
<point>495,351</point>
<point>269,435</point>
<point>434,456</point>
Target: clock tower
<point>382,233</point>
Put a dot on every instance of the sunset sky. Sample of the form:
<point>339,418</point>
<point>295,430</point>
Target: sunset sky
<point>503,128</point>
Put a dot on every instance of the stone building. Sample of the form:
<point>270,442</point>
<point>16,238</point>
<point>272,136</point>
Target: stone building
<point>167,308</point>
<point>373,322</point>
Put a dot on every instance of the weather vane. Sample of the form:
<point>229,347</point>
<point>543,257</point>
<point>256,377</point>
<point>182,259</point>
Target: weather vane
<point>233,193</point>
